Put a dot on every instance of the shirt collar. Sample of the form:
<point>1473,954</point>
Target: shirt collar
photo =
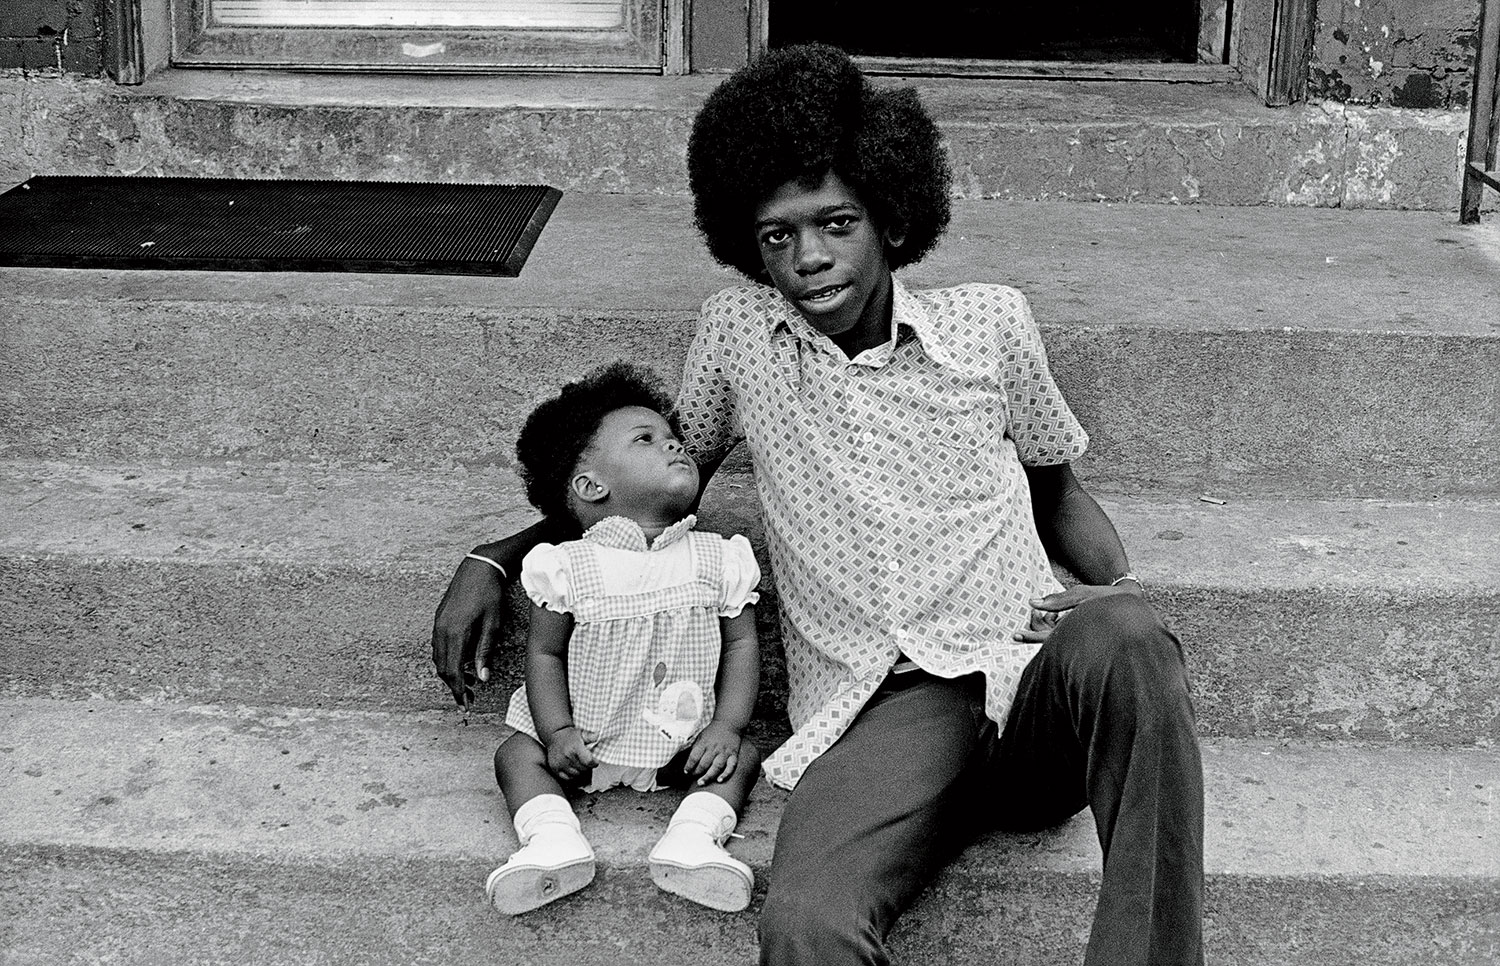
<point>623,533</point>
<point>907,315</point>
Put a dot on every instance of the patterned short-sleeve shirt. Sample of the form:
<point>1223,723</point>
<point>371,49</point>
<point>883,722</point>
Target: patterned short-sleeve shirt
<point>897,513</point>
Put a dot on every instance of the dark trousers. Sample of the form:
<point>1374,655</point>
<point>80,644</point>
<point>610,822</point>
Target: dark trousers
<point>1102,719</point>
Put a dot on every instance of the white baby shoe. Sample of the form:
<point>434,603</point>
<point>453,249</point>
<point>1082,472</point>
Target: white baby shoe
<point>554,860</point>
<point>690,860</point>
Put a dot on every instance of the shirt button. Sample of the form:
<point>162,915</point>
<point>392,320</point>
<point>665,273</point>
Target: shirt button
<point>868,437</point>
<point>893,565</point>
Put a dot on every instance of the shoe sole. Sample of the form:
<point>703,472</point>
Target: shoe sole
<point>718,887</point>
<point>528,887</point>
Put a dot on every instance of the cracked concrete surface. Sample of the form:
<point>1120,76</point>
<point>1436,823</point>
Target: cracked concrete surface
<point>1082,141</point>
<point>1395,52</point>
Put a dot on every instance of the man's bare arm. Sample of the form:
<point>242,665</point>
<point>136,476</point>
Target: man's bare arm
<point>467,626</point>
<point>1076,532</point>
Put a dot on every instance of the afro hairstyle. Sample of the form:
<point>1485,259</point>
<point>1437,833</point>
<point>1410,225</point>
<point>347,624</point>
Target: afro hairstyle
<point>796,113</point>
<point>560,430</point>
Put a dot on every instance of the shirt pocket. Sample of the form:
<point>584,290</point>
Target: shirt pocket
<point>968,451</point>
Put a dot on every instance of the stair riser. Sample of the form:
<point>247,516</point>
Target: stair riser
<point>1281,663</point>
<point>1227,153</point>
<point>167,908</point>
<point>1304,157</point>
<point>1412,416</point>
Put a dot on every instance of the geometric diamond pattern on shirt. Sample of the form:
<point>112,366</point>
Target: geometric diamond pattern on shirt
<point>897,513</point>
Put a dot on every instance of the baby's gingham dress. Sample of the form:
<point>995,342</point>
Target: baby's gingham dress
<point>897,510</point>
<point>645,644</point>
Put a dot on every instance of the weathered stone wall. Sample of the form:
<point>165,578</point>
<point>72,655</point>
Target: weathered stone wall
<point>1400,53</point>
<point>1404,53</point>
<point>59,35</point>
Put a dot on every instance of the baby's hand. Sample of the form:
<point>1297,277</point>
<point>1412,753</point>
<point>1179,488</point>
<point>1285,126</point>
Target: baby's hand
<point>714,755</point>
<point>568,754</point>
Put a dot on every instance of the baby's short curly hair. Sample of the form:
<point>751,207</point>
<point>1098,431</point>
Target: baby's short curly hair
<point>798,113</point>
<point>559,431</point>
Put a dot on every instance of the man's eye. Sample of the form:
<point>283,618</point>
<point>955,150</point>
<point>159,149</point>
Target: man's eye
<point>774,238</point>
<point>841,222</point>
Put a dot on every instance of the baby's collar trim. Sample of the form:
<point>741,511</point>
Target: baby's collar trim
<point>623,533</point>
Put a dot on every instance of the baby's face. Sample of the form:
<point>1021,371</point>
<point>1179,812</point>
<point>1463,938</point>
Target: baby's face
<point>636,454</point>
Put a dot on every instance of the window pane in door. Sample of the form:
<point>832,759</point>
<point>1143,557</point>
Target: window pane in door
<point>516,14</point>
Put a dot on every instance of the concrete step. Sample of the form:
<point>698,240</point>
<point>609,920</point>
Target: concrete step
<point>1090,141</point>
<point>166,834</point>
<point>1243,350</point>
<point>289,584</point>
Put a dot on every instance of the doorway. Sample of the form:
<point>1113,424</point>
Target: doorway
<point>1068,31</point>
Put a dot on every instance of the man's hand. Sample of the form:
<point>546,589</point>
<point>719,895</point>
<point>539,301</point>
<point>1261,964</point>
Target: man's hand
<point>715,754</point>
<point>1047,611</point>
<point>466,629</point>
<point>568,753</point>
<point>1039,628</point>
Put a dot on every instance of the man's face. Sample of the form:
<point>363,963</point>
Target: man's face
<point>825,254</point>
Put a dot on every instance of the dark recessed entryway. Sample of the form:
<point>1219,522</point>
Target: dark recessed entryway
<point>1082,31</point>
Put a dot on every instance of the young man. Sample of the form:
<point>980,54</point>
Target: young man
<point>911,454</point>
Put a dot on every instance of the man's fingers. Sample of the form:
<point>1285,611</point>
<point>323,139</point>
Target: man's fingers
<point>447,658</point>
<point>1063,600</point>
<point>484,645</point>
<point>1073,596</point>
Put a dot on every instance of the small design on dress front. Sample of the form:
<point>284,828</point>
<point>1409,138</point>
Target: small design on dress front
<point>679,707</point>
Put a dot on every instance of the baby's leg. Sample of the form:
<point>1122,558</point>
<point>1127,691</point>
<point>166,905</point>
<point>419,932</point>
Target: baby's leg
<point>521,771</point>
<point>735,790</point>
<point>554,859</point>
<point>690,859</point>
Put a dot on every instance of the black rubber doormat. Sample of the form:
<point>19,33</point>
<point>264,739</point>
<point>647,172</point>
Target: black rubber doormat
<point>250,225</point>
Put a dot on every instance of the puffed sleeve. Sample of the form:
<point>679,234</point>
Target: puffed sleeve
<point>1045,431</point>
<point>544,575</point>
<point>741,576</point>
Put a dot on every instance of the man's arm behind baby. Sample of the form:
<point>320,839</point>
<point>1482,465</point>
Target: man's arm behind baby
<point>470,620</point>
<point>470,623</point>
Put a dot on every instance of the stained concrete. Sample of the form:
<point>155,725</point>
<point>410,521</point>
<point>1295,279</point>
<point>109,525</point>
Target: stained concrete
<point>1203,348</point>
<point>297,585</point>
<point>287,784</point>
<point>1192,268</point>
<point>1407,53</point>
<point>1063,140</point>
<point>75,906</point>
<point>365,837</point>
<point>232,501</point>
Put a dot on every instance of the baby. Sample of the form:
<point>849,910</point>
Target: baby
<point>642,662</point>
